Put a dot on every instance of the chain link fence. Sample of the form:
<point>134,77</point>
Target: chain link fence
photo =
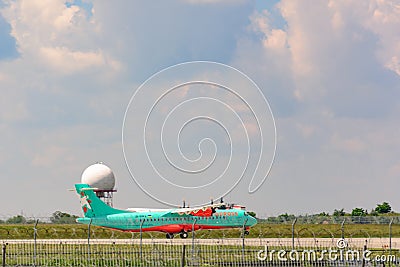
<point>184,253</point>
<point>294,243</point>
<point>317,219</point>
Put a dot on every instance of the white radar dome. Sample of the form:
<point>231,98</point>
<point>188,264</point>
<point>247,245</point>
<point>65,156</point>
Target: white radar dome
<point>99,176</point>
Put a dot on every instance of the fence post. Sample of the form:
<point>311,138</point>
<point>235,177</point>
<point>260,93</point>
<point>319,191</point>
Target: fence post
<point>363,258</point>
<point>141,239</point>
<point>194,222</point>
<point>390,236</point>
<point>342,227</point>
<point>183,255</point>
<point>243,235</point>
<point>4,254</point>
<point>293,224</point>
<point>88,240</point>
<point>34,242</point>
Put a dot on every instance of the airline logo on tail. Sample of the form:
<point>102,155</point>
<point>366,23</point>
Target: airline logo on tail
<point>85,202</point>
<point>91,205</point>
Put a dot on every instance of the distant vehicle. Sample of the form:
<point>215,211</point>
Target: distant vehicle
<point>170,221</point>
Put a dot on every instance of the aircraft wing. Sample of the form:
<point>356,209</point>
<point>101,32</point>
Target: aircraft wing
<point>205,211</point>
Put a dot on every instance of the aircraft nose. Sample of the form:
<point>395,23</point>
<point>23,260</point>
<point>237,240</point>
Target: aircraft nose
<point>252,221</point>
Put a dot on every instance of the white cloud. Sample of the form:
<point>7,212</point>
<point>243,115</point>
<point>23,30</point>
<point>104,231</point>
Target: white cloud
<point>57,37</point>
<point>330,73</point>
<point>385,23</point>
<point>66,61</point>
<point>329,55</point>
<point>331,85</point>
<point>275,39</point>
<point>76,70</point>
<point>394,64</point>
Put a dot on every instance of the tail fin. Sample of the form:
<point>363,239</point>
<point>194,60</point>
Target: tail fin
<point>91,205</point>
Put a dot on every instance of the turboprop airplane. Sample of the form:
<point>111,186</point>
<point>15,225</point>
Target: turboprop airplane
<point>170,221</point>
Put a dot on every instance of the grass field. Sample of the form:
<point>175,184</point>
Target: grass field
<point>77,231</point>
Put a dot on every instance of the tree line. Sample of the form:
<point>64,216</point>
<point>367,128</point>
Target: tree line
<point>57,217</point>
<point>380,210</point>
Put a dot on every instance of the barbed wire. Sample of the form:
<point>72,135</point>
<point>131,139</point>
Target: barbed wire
<point>313,219</point>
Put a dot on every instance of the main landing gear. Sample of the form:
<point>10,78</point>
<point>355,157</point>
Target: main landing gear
<point>183,235</point>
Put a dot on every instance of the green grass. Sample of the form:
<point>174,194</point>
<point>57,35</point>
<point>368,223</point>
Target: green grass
<point>77,231</point>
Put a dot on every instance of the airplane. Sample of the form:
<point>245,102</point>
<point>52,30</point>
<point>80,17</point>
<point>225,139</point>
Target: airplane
<point>170,221</point>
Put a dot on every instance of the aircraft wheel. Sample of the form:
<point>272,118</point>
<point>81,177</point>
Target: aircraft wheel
<point>183,235</point>
<point>169,236</point>
<point>246,232</point>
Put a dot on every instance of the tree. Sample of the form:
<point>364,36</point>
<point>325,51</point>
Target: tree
<point>286,217</point>
<point>339,213</point>
<point>62,218</point>
<point>383,208</point>
<point>16,220</point>
<point>358,212</point>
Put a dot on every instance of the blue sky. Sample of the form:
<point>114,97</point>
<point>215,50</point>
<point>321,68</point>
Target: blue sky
<point>8,49</point>
<point>329,69</point>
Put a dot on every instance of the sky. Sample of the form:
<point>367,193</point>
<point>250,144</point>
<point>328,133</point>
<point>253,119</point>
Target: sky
<point>330,71</point>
